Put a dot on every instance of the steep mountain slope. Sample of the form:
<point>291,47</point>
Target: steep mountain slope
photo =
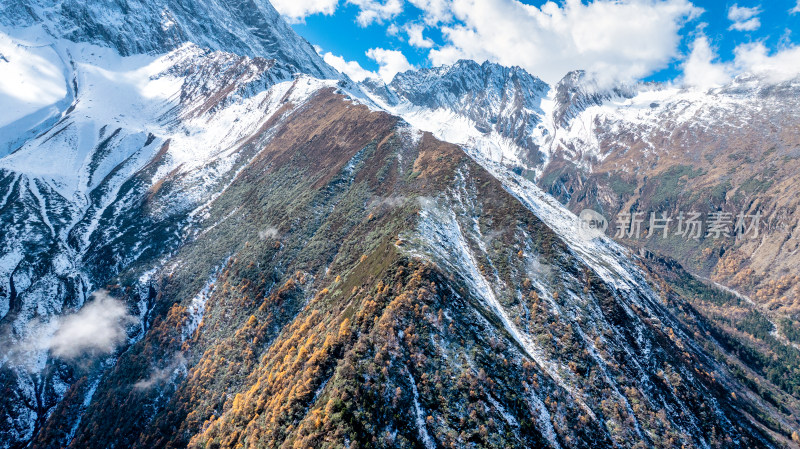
<point>356,274</point>
<point>659,149</point>
<point>113,131</point>
<point>730,150</point>
<point>281,265</point>
<point>577,92</point>
<point>656,148</point>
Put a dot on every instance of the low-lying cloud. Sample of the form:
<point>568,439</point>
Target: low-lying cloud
<point>97,328</point>
<point>390,202</point>
<point>268,233</point>
<point>161,375</point>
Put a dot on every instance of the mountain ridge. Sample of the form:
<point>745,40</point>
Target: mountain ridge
<point>593,142</point>
<point>300,266</point>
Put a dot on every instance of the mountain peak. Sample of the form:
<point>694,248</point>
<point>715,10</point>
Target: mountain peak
<point>579,90</point>
<point>252,27</point>
<point>436,86</point>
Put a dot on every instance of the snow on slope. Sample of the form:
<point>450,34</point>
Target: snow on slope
<point>65,155</point>
<point>95,137</point>
<point>489,106</point>
<point>31,78</point>
<point>526,125</point>
<point>102,102</point>
<point>445,237</point>
<point>252,28</point>
<point>89,153</point>
<point>498,154</point>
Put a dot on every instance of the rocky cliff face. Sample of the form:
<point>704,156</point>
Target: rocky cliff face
<point>489,99</point>
<point>577,92</point>
<point>262,260</point>
<point>112,127</point>
<point>658,149</point>
<point>383,289</point>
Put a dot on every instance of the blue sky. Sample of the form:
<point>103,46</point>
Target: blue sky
<point>625,39</point>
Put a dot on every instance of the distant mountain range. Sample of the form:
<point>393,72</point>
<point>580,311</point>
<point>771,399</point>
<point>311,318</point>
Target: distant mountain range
<point>210,238</point>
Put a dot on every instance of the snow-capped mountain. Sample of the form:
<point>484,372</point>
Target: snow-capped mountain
<point>110,103</point>
<point>617,148</point>
<point>212,239</point>
<point>74,162</point>
<point>495,104</point>
<point>132,27</point>
<point>577,92</point>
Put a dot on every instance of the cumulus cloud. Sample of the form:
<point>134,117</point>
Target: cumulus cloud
<point>390,61</point>
<point>796,8</point>
<point>700,69</point>
<point>781,66</point>
<point>617,40</point>
<point>350,68</point>
<point>744,18</point>
<point>415,37</point>
<point>376,11</point>
<point>434,11</point>
<point>297,10</point>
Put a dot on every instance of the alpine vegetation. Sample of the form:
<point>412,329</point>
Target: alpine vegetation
<point>211,238</point>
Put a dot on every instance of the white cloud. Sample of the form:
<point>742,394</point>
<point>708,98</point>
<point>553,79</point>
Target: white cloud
<point>700,70</point>
<point>160,375</point>
<point>375,11</point>
<point>744,18</point>
<point>747,25</point>
<point>415,37</point>
<point>390,61</point>
<point>435,11</point>
<point>272,232</point>
<point>796,8</point>
<point>617,40</point>
<point>781,66</point>
<point>297,10</point>
<point>390,202</point>
<point>97,328</point>
<point>350,68</point>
